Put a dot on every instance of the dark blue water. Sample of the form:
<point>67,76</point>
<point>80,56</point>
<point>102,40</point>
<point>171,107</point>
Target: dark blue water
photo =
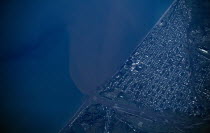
<point>39,43</point>
<point>39,93</point>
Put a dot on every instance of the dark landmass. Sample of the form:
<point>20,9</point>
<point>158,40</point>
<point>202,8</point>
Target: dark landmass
<point>164,86</point>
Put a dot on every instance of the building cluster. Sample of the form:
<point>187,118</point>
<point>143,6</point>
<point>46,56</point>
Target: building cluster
<point>161,71</point>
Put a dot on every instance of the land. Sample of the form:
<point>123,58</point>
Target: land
<point>164,86</point>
